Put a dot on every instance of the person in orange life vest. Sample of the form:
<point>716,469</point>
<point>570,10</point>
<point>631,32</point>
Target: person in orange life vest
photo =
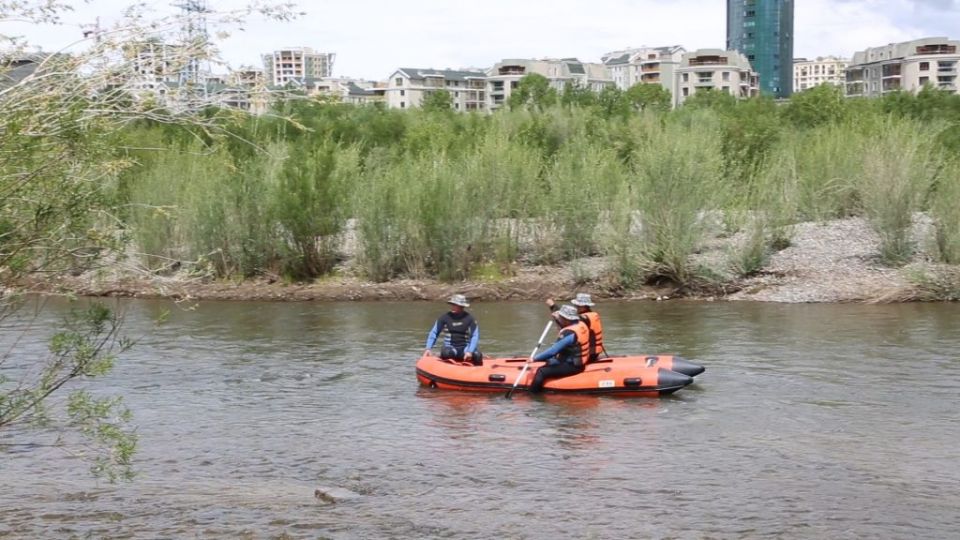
<point>591,319</point>
<point>569,354</point>
<point>461,333</point>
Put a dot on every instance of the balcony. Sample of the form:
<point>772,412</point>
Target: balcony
<point>512,70</point>
<point>651,67</point>
<point>890,70</point>
<point>709,61</point>
<point>941,48</point>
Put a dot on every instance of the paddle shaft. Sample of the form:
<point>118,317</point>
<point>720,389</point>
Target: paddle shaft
<point>529,361</point>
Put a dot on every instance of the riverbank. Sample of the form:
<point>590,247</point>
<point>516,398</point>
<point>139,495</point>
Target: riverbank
<point>836,261</point>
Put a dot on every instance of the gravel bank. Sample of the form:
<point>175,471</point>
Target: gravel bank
<point>836,261</point>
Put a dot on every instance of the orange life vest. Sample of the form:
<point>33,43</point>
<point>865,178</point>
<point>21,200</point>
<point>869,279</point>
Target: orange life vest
<point>592,320</point>
<point>581,349</point>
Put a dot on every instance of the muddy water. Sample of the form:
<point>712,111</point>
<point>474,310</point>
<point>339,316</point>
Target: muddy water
<point>817,421</point>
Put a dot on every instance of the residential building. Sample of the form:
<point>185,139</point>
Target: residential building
<point>726,71</point>
<point>247,76</point>
<point>763,31</point>
<point>15,68</point>
<point>822,70</point>
<point>647,65</point>
<point>505,76</point>
<point>907,66</point>
<point>244,89</point>
<point>153,71</point>
<point>156,62</point>
<point>346,90</point>
<point>298,65</point>
<point>407,87</point>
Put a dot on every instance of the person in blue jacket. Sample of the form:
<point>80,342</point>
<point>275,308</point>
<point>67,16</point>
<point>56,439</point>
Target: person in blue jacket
<point>460,331</point>
<point>569,354</point>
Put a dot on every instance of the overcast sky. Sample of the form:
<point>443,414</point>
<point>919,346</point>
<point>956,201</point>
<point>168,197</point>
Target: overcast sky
<point>372,38</point>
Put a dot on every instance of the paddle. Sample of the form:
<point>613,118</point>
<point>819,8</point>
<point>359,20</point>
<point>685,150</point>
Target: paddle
<point>528,362</point>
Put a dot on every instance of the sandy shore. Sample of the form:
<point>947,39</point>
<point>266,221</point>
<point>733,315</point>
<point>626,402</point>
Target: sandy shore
<point>835,261</point>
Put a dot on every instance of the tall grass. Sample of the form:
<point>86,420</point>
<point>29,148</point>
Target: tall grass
<point>824,164</point>
<point>677,176</point>
<point>945,208</point>
<point>449,196</point>
<point>898,169</point>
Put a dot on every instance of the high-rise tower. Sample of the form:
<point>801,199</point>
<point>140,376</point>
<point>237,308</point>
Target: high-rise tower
<point>763,31</point>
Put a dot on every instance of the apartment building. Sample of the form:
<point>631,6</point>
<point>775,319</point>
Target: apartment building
<point>907,66</point>
<point>822,70</point>
<point>645,65</point>
<point>14,69</point>
<point>155,61</point>
<point>298,65</point>
<point>346,90</point>
<point>247,76</point>
<point>407,87</point>
<point>505,76</point>
<point>726,71</point>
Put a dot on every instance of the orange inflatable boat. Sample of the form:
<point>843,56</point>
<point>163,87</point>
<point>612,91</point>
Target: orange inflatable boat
<point>645,376</point>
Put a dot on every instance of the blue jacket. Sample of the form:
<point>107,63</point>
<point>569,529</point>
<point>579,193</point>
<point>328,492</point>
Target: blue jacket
<point>558,346</point>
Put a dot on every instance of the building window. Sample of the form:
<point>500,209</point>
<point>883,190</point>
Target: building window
<point>686,92</point>
<point>403,105</point>
<point>726,76</point>
<point>398,81</point>
<point>403,92</point>
<point>924,80</point>
<point>924,66</point>
<point>686,77</point>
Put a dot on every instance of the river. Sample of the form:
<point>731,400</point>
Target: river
<point>811,421</point>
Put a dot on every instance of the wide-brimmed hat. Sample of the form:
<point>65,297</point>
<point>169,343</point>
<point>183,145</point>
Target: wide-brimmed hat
<point>582,299</point>
<point>459,300</point>
<point>569,312</point>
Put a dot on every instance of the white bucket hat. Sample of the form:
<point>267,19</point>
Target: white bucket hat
<point>459,300</point>
<point>582,299</point>
<point>569,312</point>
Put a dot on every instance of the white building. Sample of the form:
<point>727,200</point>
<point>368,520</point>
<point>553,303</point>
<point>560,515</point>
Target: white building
<point>155,62</point>
<point>645,65</point>
<point>346,90</point>
<point>822,70</point>
<point>407,87</point>
<point>907,66</point>
<point>298,65</point>
<point>505,76</point>
<point>726,71</point>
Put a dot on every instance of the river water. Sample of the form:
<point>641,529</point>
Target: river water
<point>812,421</point>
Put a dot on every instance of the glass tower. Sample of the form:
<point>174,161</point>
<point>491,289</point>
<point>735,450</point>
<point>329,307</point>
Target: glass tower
<point>763,31</point>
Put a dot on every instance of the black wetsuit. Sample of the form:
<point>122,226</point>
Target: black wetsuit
<point>461,335</point>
